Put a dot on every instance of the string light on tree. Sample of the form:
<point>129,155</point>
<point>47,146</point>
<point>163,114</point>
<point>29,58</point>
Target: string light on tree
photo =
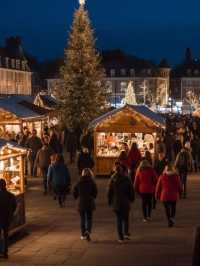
<point>82,2</point>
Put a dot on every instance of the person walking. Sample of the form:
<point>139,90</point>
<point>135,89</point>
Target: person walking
<point>8,206</point>
<point>86,191</point>
<point>85,160</point>
<point>168,190</point>
<point>183,165</point>
<point>33,144</point>
<point>59,179</point>
<point>120,195</point>
<point>43,160</point>
<point>145,183</point>
<point>134,159</point>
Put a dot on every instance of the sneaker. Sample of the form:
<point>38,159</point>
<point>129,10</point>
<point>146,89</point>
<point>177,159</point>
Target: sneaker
<point>120,241</point>
<point>83,237</point>
<point>145,220</point>
<point>149,219</point>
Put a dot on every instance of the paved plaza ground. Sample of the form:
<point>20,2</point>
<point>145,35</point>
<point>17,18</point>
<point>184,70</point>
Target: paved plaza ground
<point>53,236</point>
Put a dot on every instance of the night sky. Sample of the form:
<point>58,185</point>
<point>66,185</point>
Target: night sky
<point>151,29</point>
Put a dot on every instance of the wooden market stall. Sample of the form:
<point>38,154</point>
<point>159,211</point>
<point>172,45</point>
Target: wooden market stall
<point>16,113</point>
<point>12,170</point>
<point>131,123</point>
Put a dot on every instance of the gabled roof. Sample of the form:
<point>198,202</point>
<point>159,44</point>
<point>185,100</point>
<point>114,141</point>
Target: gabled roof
<point>22,107</point>
<point>142,110</point>
<point>11,144</point>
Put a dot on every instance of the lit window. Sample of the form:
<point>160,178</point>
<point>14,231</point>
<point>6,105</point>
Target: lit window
<point>109,86</point>
<point>123,86</point>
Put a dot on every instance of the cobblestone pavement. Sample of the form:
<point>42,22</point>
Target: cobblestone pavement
<point>53,236</point>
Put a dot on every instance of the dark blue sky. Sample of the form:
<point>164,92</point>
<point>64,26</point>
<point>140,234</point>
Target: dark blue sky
<point>151,29</point>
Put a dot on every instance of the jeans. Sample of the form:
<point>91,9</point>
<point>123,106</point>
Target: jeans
<point>4,237</point>
<point>170,209</point>
<point>86,222</point>
<point>122,223</point>
<point>146,204</point>
<point>183,176</point>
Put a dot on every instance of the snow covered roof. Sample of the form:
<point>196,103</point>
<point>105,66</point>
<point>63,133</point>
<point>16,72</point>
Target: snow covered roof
<point>22,107</point>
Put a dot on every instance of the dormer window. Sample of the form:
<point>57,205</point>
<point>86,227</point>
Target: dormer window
<point>17,64</point>
<point>112,72</point>
<point>13,63</point>
<point>123,72</point>
<point>7,62</point>
<point>24,65</point>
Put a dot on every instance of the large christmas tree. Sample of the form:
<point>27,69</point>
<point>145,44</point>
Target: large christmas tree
<point>83,93</point>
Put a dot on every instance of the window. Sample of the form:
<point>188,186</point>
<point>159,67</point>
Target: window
<point>109,86</point>
<point>13,63</point>
<point>18,64</point>
<point>132,72</point>
<point>123,72</point>
<point>189,71</point>
<point>123,86</point>
<point>196,72</point>
<point>149,71</point>
<point>7,62</point>
<point>112,72</point>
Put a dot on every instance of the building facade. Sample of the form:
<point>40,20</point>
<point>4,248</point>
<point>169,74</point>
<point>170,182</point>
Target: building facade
<point>15,75</point>
<point>185,80</point>
<point>150,82</point>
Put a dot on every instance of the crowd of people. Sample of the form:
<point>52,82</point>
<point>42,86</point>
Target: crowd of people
<point>160,177</point>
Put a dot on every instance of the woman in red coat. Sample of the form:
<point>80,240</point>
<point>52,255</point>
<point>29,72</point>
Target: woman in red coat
<point>134,159</point>
<point>145,183</point>
<point>168,190</point>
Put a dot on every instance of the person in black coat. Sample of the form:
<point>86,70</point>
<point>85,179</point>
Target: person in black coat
<point>7,208</point>
<point>120,196</point>
<point>85,160</point>
<point>86,191</point>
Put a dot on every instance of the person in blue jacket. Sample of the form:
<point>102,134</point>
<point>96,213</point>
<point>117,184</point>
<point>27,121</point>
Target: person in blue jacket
<point>59,179</point>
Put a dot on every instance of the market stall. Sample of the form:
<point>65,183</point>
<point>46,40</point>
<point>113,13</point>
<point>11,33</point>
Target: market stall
<point>16,113</point>
<point>12,170</point>
<point>121,127</point>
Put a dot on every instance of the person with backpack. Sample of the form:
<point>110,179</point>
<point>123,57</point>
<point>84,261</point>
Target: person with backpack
<point>120,195</point>
<point>86,191</point>
<point>145,183</point>
<point>168,190</point>
<point>183,165</point>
